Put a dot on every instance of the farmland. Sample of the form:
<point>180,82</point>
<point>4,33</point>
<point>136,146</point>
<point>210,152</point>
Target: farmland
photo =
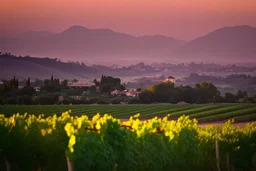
<point>67,143</point>
<point>203,112</point>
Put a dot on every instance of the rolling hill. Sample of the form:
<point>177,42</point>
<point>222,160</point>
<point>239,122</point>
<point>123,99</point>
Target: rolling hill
<point>23,67</point>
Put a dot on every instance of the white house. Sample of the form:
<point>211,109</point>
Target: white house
<point>118,92</point>
<point>37,88</point>
<point>170,79</point>
<point>133,93</point>
<point>115,92</point>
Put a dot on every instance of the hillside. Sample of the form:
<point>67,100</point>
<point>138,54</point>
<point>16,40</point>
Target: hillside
<point>227,43</point>
<point>82,43</point>
<point>23,67</point>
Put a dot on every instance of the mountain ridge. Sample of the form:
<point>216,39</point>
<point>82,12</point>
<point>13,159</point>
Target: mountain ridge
<point>237,42</point>
<point>82,43</point>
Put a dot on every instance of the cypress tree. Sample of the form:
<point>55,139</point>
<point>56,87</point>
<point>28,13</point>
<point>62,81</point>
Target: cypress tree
<point>28,82</point>
<point>52,79</point>
<point>17,83</point>
<point>13,83</point>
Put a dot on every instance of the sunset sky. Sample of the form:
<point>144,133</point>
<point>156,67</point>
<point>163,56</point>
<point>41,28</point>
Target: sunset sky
<point>182,19</point>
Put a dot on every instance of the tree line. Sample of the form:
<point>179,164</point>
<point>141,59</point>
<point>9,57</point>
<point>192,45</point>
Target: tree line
<point>52,88</point>
<point>163,92</point>
<point>203,92</point>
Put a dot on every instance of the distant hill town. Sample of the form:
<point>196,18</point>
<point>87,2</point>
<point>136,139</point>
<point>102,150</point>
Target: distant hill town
<point>41,68</point>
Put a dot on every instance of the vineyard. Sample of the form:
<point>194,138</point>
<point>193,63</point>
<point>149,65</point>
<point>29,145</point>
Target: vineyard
<point>77,143</point>
<point>203,113</point>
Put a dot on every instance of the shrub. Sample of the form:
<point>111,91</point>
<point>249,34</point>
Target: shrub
<point>1,101</point>
<point>72,101</point>
<point>47,100</point>
<point>26,100</point>
<point>134,101</point>
<point>11,100</point>
<point>115,101</point>
<point>102,101</point>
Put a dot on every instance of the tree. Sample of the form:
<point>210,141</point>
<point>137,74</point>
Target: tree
<point>108,84</point>
<point>206,92</point>
<point>46,81</point>
<point>97,83</point>
<point>16,83</point>
<point>146,97</point>
<point>25,100</point>
<point>92,89</point>
<point>162,91</point>
<point>52,79</point>
<point>105,88</point>
<point>56,81</point>
<point>74,81</point>
<point>64,83</point>
<point>219,99</point>
<point>28,82</point>
<point>230,98</point>
<point>138,89</point>
<point>27,91</point>
<point>241,94</point>
<point>51,88</point>
<point>47,100</point>
<point>39,82</point>
<point>10,85</point>
<point>176,96</point>
<point>2,90</point>
<point>184,93</point>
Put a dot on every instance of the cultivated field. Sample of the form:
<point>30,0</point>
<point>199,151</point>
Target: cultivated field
<point>67,143</point>
<point>206,113</point>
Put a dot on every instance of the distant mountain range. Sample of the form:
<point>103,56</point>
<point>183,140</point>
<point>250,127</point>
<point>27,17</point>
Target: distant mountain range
<point>228,43</point>
<point>83,44</point>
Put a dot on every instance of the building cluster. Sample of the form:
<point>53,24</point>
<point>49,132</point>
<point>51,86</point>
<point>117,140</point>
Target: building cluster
<point>127,92</point>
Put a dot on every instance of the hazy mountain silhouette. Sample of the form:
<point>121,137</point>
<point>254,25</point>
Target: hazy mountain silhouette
<point>82,43</point>
<point>33,67</point>
<point>230,43</point>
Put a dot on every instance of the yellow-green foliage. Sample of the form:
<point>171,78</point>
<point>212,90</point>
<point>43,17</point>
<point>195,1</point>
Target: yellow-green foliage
<point>31,142</point>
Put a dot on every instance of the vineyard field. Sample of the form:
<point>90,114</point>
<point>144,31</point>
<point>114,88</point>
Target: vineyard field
<point>203,112</point>
<point>77,143</point>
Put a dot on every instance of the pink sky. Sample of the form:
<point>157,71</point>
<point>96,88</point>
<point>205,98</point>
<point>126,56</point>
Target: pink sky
<point>183,19</point>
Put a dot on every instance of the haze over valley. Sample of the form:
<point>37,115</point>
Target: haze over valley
<point>105,46</point>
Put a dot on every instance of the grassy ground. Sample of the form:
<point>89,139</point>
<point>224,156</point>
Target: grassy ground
<point>204,113</point>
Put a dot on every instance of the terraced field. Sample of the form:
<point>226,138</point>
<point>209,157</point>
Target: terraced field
<point>204,113</point>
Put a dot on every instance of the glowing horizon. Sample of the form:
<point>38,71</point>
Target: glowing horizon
<point>182,19</point>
